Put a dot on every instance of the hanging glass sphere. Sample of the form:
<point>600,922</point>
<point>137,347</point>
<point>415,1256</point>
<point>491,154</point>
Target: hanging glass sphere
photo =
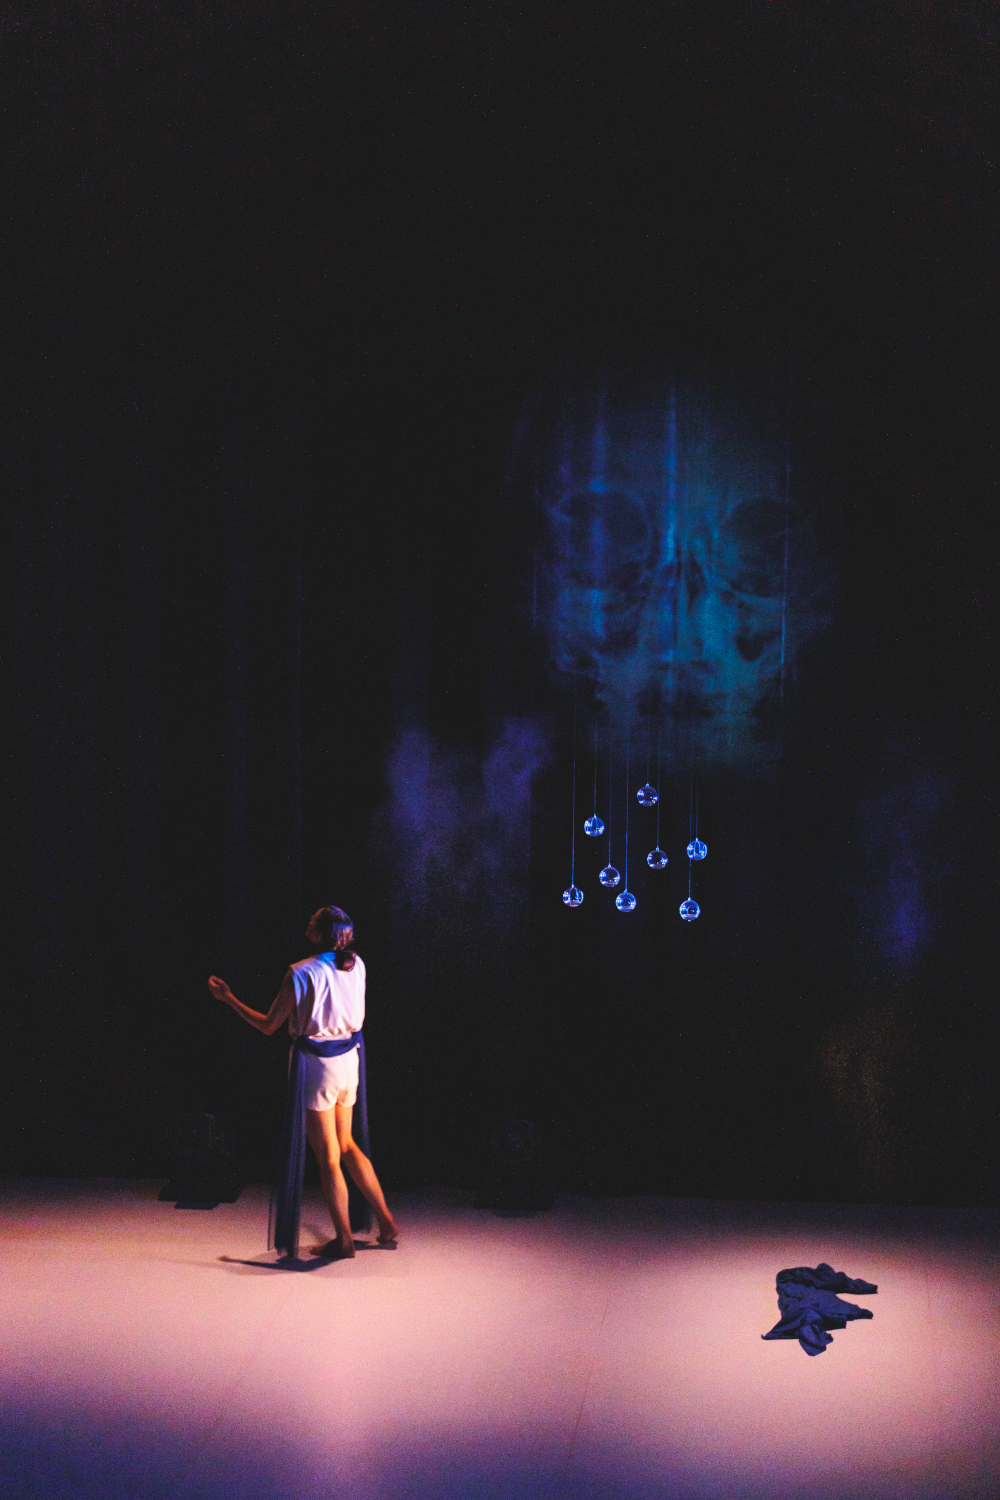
<point>594,826</point>
<point>647,796</point>
<point>689,910</point>
<point>697,850</point>
<point>656,859</point>
<point>625,902</point>
<point>572,895</point>
<point>609,875</point>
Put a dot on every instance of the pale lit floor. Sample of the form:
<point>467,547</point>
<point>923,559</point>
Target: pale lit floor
<point>604,1349</point>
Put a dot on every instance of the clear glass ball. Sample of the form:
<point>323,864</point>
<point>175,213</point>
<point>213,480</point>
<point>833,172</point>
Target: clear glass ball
<point>594,826</point>
<point>689,910</point>
<point>697,850</point>
<point>609,876</point>
<point>572,895</point>
<point>625,902</point>
<point>656,859</point>
<point>647,796</point>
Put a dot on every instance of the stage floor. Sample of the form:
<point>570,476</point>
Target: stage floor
<point>604,1349</point>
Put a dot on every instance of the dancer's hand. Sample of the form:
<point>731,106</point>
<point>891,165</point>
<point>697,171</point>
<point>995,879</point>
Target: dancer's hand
<point>220,989</point>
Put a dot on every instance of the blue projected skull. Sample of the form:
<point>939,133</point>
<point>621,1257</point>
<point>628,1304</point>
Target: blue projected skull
<point>673,563</point>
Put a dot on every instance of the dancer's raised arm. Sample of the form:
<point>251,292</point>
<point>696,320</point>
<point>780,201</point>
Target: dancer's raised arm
<point>281,1006</point>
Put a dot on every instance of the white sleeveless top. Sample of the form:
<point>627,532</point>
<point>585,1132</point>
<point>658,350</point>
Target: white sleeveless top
<point>329,1002</point>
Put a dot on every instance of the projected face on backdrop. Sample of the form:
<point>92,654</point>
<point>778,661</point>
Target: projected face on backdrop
<point>673,562</point>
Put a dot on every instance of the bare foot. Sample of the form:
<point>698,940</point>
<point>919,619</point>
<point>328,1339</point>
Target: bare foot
<point>388,1232</point>
<point>334,1250</point>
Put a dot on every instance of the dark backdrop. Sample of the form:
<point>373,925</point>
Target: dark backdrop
<point>279,282</point>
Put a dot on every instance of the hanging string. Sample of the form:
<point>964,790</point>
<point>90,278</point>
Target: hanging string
<point>594,825</point>
<point>595,768</point>
<point>626,901</point>
<point>611,787</point>
<point>572,866</point>
<point>690,909</point>
<point>657,782</point>
<point>647,795</point>
<point>628,797</point>
<point>697,848</point>
<point>609,876</point>
<point>572,895</point>
<point>656,859</point>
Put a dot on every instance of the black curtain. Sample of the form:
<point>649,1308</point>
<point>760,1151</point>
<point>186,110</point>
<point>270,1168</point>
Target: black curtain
<point>281,286</point>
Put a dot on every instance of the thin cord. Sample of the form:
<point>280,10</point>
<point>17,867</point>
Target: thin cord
<point>595,769</point>
<point>572,867</point>
<point>610,790</point>
<point>628,798</point>
<point>691,817</point>
<point>658,782</point>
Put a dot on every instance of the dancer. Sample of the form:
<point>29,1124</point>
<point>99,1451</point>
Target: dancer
<point>323,1000</point>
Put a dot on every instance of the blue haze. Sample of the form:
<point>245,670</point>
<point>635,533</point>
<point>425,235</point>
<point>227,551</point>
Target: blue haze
<point>676,562</point>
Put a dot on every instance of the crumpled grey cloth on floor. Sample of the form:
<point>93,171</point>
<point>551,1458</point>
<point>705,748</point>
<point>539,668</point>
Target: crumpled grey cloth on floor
<point>809,1307</point>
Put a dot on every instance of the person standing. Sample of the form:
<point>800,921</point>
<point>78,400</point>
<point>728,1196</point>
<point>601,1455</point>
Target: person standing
<point>323,1000</point>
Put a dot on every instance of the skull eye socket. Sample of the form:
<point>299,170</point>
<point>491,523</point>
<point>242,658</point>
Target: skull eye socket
<point>610,542</point>
<point>609,539</point>
<point>754,547</point>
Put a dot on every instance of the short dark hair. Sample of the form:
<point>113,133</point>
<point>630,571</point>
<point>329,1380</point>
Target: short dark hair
<point>337,933</point>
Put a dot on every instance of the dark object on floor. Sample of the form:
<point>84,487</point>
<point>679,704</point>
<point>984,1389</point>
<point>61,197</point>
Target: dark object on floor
<point>809,1306</point>
<point>199,1192</point>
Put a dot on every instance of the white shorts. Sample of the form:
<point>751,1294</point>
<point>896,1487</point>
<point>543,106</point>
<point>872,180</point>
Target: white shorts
<point>331,1080</point>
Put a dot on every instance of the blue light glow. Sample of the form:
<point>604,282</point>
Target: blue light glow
<point>625,901</point>
<point>656,859</point>
<point>689,909</point>
<point>696,849</point>
<point>647,796</point>
<point>609,876</point>
<point>594,827</point>
<point>572,895</point>
<point>673,568</point>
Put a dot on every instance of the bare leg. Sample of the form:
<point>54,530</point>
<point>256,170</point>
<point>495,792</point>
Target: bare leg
<point>363,1172</point>
<point>321,1132</point>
